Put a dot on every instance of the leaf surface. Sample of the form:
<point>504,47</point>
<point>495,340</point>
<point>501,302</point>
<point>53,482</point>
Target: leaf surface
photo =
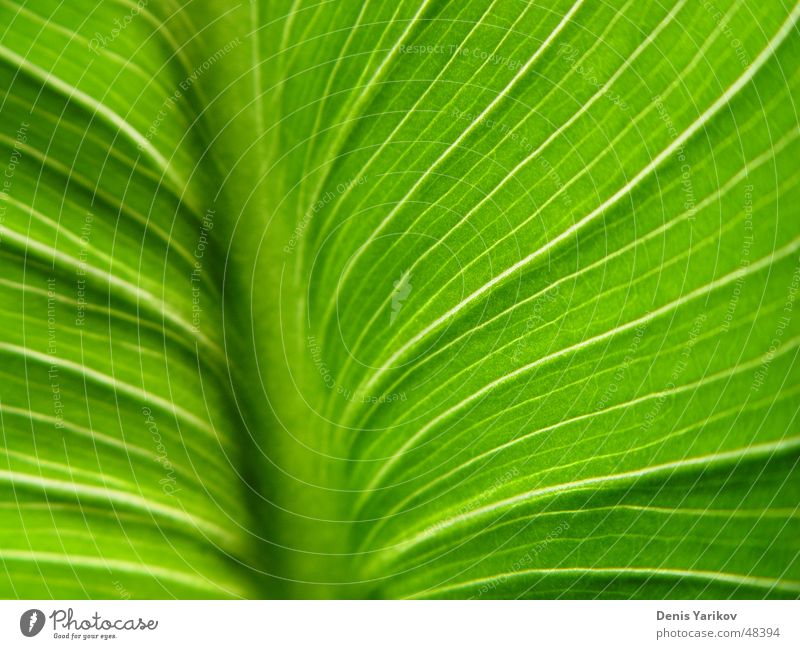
<point>410,299</point>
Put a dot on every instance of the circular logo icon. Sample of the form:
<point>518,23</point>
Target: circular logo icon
<point>31,622</point>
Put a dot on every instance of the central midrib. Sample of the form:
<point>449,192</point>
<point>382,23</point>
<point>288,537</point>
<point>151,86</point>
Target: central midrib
<point>293,547</point>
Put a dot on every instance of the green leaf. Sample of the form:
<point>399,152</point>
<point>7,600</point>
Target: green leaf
<point>409,299</point>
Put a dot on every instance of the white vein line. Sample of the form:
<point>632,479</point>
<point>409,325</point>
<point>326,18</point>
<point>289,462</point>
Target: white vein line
<point>287,25</point>
<point>452,147</point>
<point>764,262</point>
<point>697,58</point>
<point>49,23</point>
<point>72,176</point>
<point>743,173</point>
<point>304,39</point>
<point>776,512</point>
<point>129,567</point>
<point>97,437</point>
<point>370,85</point>
<point>721,102</point>
<point>78,430</point>
<point>736,411</point>
<point>366,93</point>
<point>124,498</point>
<point>113,384</point>
<point>501,351</point>
<point>66,232</point>
<point>142,322</point>
<point>431,86</point>
<point>88,102</point>
<point>511,175</point>
<point>687,387</point>
<point>39,462</point>
<point>326,91</point>
<point>139,295</point>
<point>726,577</point>
<point>57,123</point>
<point>754,450</point>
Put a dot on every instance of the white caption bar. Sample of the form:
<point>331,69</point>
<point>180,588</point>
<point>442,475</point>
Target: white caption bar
<point>353,624</point>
